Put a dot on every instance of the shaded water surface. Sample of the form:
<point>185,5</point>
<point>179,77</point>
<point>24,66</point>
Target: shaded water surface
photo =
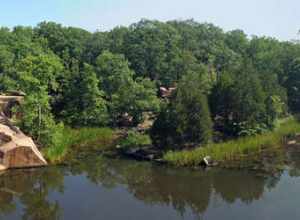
<point>98,188</point>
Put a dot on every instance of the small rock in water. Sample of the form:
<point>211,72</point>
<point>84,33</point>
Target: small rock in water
<point>207,161</point>
<point>118,147</point>
<point>292,142</point>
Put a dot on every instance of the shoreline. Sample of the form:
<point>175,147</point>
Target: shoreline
<point>241,153</point>
<point>238,149</point>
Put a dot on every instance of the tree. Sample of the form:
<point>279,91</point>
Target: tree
<point>237,41</point>
<point>45,68</point>
<point>66,42</point>
<point>134,98</point>
<point>31,73</point>
<point>85,105</point>
<point>238,102</point>
<point>186,119</point>
<point>36,76</point>
<point>113,72</point>
<point>293,86</point>
<point>151,47</point>
<point>99,42</point>
<point>126,95</point>
<point>37,120</point>
<point>6,59</point>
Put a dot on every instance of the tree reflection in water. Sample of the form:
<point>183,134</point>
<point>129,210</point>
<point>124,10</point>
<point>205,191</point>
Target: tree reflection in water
<point>31,188</point>
<point>181,189</point>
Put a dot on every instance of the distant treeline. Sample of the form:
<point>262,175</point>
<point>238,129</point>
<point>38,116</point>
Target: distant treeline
<point>227,84</point>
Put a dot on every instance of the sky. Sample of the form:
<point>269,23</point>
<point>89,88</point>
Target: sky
<point>273,18</point>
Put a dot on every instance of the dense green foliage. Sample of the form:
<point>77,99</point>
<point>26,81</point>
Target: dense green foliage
<point>186,118</point>
<point>227,84</point>
<point>85,105</point>
<point>240,103</point>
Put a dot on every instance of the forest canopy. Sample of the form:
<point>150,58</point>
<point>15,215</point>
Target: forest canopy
<point>226,83</point>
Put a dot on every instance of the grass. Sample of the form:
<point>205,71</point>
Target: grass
<point>69,139</point>
<point>230,150</point>
<point>135,139</point>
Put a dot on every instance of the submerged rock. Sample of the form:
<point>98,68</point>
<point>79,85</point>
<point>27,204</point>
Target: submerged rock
<point>142,153</point>
<point>16,149</point>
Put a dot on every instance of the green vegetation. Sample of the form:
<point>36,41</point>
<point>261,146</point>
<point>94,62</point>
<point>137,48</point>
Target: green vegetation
<point>292,85</point>
<point>241,103</point>
<point>85,105</point>
<point>70,139</point>
<point>186,118</point>
<point>234,149</point>
<point>135,139</point>
<point>225,85</point>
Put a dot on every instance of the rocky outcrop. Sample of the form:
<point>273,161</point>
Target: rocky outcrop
<point>16,149</point>
<point>166,92</point>
<point>7,102</point>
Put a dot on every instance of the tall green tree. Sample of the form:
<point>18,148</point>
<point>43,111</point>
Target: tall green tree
<point>186,119</point>
<point>126,95</point>
<point>238,102</point>
<point>36,76</point>
<point>134,98</point>
<point>66,42</point>
<point>113,72</point>
<point>85,105</point>
<point>293,86</point>
<point>151,48</point>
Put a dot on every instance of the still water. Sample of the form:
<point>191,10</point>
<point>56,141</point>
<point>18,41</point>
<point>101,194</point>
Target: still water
<point>99,188</point>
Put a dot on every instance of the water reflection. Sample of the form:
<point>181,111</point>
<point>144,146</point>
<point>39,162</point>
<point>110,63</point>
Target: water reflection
<point>293,157</point>
<point>31,188</point>
<point>29,193</point>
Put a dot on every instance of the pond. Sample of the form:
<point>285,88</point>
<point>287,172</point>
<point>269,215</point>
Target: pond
<point>101,188</point>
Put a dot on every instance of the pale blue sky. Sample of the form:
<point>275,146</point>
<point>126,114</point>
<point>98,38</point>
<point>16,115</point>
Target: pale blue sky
<point>276,18</point>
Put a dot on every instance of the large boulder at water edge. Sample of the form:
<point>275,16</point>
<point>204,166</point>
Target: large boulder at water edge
<point>18,150</point>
